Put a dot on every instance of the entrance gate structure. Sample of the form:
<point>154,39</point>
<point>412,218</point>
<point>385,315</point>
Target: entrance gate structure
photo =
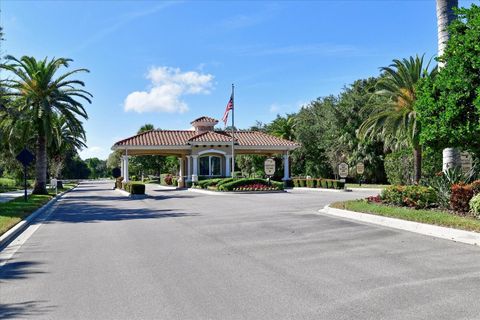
<point>203,151</point>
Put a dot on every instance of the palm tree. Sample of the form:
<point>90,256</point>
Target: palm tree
<point>396,122</point>
<point>283,127</point>
<point>41,95</point>
<point>445,16</point>
<point>146,127</point>
<point>65,139</point>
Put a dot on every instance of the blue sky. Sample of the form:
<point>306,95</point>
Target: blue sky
<point>167,63</point>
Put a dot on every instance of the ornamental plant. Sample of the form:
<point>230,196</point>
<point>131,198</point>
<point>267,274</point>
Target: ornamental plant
<point>475,206</point>
<point>460,198</point>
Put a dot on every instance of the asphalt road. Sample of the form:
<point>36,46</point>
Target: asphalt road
<point>183,255</point>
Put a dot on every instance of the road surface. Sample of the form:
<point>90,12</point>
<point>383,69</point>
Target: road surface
<point>184,255</point>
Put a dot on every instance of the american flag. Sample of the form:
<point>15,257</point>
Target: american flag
<point>227,109</point>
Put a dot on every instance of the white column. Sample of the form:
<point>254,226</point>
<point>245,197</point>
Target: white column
<point>122,167</point>
<point>189,171</point>
<point>209,165</point>
<point>286,165</point>
<point>126,169</point>
<point>228,162</point>
<point>180,173</point>
<point>195,169</point>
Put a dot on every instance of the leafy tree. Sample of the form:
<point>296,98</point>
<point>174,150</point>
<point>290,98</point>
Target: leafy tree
<point>449,105</point>
<point>283,127</point>
<point>41,95</point>
<point>97,167</point>
<point>395,121</point>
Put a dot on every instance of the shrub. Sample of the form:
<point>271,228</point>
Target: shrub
<point>204,184</point>
<point>393,195</point>
<point>410,196</point>
<point>225,180</point>
<point>237,183</point>
<point>324,183</point>
<point>374,199</point>
<point>134,187</point>
<point>288,184</point>
<point>460,198</point>
<point>330,184</point>
<point>311,183</point>
<point>296,183</point>
<point>475,206</point>
<point>399,167</point>
<point>419,197</point>
<point>475,187</point>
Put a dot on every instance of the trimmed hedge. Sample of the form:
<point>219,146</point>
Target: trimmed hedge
<point>229,186</point>
<point>134,187</point>
<point>318,183</point>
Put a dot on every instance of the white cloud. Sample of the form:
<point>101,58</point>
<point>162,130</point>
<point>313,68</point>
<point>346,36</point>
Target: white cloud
<point>168,85</point>
<point>93,152</point>
<point>274,108</point>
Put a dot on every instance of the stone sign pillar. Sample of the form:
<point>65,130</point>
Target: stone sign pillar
<point>451,158</point>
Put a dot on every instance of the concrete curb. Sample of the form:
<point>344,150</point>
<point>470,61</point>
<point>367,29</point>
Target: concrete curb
<point>17,229</point>
<point>160,187</point>
<point>456,235</point>
<point>131,196</point>
<point>367,189</point>
<point>320,189</point>
<point>222,193</point>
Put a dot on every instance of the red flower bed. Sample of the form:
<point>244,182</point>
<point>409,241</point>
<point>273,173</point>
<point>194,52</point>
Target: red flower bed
<point>374,199</point>
<point>255,187</point>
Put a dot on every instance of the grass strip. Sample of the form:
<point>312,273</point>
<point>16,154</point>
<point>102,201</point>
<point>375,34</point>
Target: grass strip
<point>435,217</point>
<point>14,211</point>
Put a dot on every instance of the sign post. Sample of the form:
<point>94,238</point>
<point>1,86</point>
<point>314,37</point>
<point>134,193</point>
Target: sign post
<point>360,171</point>
<point>343,172</point>
<point>269,168</point>
<point>25,157</point>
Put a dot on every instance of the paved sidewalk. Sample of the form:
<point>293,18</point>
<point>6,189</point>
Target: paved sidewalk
<point>7,196</point>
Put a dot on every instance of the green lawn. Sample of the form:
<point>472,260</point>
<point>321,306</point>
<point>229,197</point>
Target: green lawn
<point>436,217</point>
<point>16,210</point>
<point>367,186</point>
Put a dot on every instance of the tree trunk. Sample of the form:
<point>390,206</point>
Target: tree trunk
<point>445,16</point>
<point>417,164</point>
<point>41,166</point>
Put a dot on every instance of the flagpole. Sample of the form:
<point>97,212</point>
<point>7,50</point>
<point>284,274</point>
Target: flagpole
<point>233,130</point>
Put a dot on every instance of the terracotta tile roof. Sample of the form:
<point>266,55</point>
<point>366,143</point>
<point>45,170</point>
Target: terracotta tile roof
<point>212,136</point>
<point>184,137</point>
<point>258,139</point>
<point>158,138</point>
<point>205,119</point>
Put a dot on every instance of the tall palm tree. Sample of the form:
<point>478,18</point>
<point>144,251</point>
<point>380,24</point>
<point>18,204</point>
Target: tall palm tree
<point>65,139</point>
<point>146,127</point>
<point>41,94</point>
<point>396,121</point>
<point>445,16</point>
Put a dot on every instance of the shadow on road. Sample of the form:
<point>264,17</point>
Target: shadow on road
<point>80,212</point>
<point>23,309</point>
